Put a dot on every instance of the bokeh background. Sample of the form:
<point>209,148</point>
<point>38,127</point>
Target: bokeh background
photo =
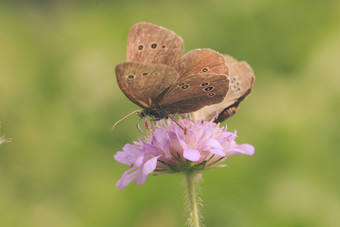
<point>59,99</point>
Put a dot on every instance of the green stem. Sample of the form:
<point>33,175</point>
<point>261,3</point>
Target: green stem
<point>192,199</point>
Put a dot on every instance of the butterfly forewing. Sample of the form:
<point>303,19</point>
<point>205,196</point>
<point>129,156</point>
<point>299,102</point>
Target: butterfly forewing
<point>202,61</point>
<point>142,83</point>
<point>194,92</point>
<point>153,44</point>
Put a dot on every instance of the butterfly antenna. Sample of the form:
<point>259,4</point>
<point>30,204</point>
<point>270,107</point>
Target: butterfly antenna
<point>123,117</point>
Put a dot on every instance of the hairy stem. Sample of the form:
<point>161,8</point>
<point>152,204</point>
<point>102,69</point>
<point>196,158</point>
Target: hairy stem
<point>192,199</point>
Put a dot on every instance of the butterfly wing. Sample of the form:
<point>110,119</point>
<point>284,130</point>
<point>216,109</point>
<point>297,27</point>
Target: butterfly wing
<point>153,44</point>
<point>241,82</point>
<point>201,61</point>
<point>194,92</point>
<point>142,83</point>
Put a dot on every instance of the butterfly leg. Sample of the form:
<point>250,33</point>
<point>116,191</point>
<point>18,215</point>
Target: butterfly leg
<point>138,127</point>
<point>174,120</point>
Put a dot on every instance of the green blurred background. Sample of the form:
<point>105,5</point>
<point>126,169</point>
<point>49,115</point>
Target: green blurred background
<point>59,99</point>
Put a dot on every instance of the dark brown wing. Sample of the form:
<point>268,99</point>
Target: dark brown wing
<point>143,82</point>
<point>194,92</point>
<point>150,43</point>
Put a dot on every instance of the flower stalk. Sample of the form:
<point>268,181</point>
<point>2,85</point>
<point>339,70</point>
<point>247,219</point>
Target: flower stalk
<point>194,218</point>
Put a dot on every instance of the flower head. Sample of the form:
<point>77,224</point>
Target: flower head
<point>168,148</point>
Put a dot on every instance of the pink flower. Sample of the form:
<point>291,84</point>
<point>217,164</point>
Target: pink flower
<point>168,148</point>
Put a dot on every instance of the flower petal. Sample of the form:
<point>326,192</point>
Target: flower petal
<point>213,144</point>
<point>191,155</point>
<point>129,155</point>
<point>160,136</point>
<point>122,157</point>
<point>161,140</point>
<point>246,149</point>
<point>140,179</point>
<point>132,150</point>
<point>127,178</point>
<point>176,145</point>
<point>155,151</point>
<point>150,165</point>
<point>139,160</point>
<point>218,151</point>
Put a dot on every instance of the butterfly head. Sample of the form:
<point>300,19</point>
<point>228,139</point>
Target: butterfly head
<point>156,114</point>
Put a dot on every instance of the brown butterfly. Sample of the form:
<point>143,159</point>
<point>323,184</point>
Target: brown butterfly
<point>159,80</point>
<point>241,81</point>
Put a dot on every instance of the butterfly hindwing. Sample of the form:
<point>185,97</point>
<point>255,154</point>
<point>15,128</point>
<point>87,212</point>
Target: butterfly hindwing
<point>241,82</point>
<point>142,83</point>
<point>194,92</point>
<point>150,43</point>
<point>241,78</point>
